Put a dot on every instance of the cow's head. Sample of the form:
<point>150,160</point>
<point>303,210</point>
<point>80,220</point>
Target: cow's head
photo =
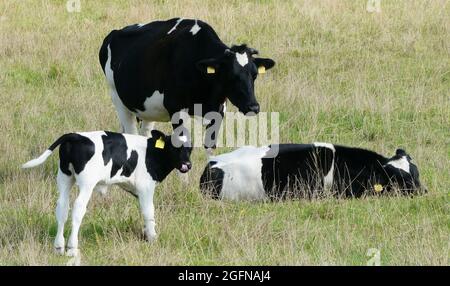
<point>402,173</point>
<point>233,74</point>
<point>177,150</point>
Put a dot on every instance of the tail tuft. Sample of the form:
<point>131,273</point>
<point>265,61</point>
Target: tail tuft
<point>35,162</point>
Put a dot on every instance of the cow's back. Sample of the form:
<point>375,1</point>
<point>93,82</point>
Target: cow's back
<point>121,41</point>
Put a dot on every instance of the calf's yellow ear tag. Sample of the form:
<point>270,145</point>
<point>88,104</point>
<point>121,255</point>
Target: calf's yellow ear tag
<point>210,70</point>
<point>378,188</point>
<point>261,69</point>
<point>160,143</point>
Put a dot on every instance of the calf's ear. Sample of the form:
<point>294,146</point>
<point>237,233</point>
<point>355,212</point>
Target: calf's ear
<point>208,66</point>
<point>156,134</point>
<point>400,152</point>
<point>263,64</point>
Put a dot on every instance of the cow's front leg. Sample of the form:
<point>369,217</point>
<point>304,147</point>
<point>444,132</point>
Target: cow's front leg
<point>214,120</point>
<point>146,128</point>
<point>180,130</point>
<point>79,210</point>
<point>145,194</point>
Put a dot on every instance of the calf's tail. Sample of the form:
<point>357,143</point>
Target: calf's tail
<point>41,159</point>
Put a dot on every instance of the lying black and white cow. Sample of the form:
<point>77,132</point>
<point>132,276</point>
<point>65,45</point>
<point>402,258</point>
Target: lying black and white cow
<point>157,69</point>
<point>306,170</point>
<point>97,159</point>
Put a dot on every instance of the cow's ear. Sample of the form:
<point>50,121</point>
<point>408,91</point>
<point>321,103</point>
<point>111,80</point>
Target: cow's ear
<point>263,64</point>
<point>208,66</point>
<point>157,134</point>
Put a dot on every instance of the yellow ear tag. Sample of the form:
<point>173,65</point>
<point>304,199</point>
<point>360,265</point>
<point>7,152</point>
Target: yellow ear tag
<point>261,69</point>
<point>210,70</point>
<point>378,188</point>
<point>160,143</point>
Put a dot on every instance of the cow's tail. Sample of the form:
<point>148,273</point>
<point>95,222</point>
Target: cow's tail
<point>41,159</point>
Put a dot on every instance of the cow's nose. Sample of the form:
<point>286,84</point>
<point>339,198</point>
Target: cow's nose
<point>189,165</point>
<point>254,108</point>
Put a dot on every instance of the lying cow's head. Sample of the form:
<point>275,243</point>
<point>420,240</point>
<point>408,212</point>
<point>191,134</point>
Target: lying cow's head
<point>403,173</point>
<point>233,75</point>
<point>177,150</point>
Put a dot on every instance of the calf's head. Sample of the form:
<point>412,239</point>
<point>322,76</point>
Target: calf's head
<point>177,150</point>
<point>402,173</point>
<point>233,75</point>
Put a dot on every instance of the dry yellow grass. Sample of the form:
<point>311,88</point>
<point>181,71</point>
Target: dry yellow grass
<point>378,81</point>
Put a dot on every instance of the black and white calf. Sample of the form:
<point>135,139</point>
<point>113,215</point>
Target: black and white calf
<point>306,170</point>
<point>94,160</point>
<point>158,69</point>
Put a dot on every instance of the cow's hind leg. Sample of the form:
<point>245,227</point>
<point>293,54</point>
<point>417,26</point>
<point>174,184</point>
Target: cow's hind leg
<point>65,183</point>
<point>126,117</point>
<point>79,209</point>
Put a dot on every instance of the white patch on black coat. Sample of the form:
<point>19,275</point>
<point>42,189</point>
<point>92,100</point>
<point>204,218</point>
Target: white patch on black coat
<point>328,178</point>
<point>176,25</point>
<point>194,30</point>
<point>154,109</point>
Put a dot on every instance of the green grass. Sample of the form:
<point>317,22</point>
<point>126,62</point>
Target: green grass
<point>378,81</point>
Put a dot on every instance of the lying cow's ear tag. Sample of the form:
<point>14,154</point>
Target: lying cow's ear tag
<point>378,188</point>
<point>261,69</point>
<point>210,70</point>
<point>160,143</point>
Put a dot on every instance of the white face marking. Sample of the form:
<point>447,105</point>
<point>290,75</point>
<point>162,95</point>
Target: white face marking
<point>194,30</point>
<point>154,108</point>
<point>176,25</point>
<point>242,173</point>
<point>242,59</point>
<point>401,163</point>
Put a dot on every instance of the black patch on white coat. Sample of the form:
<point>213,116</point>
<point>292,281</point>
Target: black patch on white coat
<point>76,150</point>
<point>115,149</point>
<point>211,181</point>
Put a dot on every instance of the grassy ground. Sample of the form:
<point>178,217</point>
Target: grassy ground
<point>378,81</point>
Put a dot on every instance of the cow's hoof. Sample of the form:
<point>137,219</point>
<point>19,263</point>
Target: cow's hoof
<point>151,237</point>
<point>73,252</point>
<point>59,250</point>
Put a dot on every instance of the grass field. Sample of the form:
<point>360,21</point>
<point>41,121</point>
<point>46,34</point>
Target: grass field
<point>378,81</point>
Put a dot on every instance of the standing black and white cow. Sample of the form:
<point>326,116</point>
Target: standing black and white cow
<point>306,170</point>
<point>97,159</point>
<point>157,69</point>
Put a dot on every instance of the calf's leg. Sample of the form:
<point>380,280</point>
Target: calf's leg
<point>79,209</point>
<point>145,194</point>
<point>64,183</point>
